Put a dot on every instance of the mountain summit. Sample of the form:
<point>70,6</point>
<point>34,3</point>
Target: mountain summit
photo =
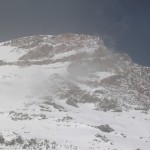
<point>72,92</point>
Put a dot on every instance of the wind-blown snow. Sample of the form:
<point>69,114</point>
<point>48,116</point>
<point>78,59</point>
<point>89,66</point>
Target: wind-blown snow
<point>44,104</point>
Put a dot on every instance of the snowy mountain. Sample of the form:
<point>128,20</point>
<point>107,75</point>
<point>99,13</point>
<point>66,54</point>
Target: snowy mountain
<point>70,92</point>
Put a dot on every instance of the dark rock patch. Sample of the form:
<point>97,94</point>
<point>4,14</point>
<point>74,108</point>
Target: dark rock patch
<point>105,128</point>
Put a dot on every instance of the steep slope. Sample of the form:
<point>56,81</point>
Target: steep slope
<point>71,92</point>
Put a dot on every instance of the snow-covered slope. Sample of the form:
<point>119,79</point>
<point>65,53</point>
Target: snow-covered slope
<point>71,92</point>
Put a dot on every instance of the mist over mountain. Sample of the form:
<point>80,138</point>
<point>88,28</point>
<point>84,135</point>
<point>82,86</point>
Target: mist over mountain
<point>71,91</point>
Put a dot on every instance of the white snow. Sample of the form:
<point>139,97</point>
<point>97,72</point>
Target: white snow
<point>10,54</point>
<point>25,89</point>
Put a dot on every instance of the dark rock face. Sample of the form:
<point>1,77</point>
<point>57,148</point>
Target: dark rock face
<point>37,53</point>
<point>2,140</point>
<point>105,128</point>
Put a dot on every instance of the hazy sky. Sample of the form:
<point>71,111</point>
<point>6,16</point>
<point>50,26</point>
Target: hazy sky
<point>123,24</point>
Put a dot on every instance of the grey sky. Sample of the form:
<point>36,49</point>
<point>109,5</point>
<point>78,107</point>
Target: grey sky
<point>124,24</point>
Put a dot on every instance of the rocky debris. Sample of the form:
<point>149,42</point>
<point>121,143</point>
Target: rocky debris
<point>108,104</point>
<point>54,105</point>
<point>12,139</point>
<point>103,138</point>
<point>44,108</point>
<point>65,119</point>
<point>37,144</point>
<point>24,116</point>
